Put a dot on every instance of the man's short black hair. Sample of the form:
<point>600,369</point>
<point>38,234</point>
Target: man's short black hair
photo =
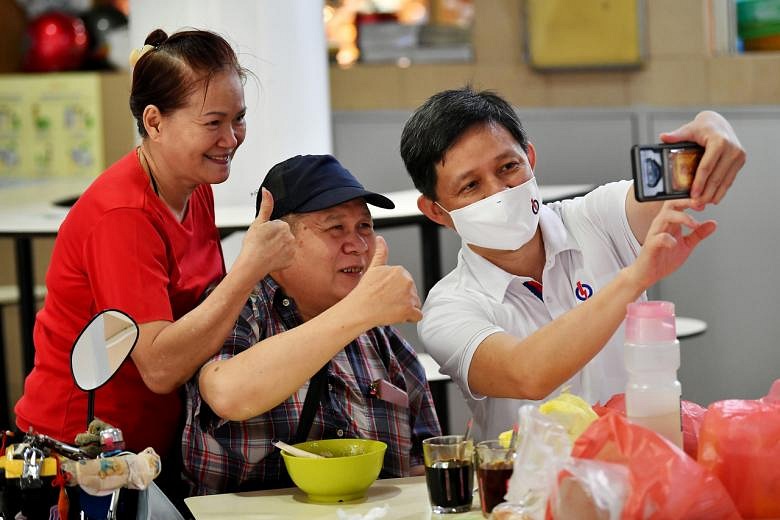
<point>435,126</point>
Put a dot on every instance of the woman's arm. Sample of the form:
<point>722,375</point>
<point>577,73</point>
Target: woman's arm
<point>169,353</point>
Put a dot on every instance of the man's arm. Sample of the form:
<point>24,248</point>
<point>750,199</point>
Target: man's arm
<point>261,377</point>
<point>723,157</point>
<point>557,351</point>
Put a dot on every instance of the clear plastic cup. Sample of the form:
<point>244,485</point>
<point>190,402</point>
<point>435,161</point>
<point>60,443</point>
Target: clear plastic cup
<point>449,473</point>
<point>494,464</point>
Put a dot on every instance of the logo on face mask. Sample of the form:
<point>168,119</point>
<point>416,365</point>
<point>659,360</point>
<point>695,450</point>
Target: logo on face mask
<point>583,291</point>
<point>534,206</point>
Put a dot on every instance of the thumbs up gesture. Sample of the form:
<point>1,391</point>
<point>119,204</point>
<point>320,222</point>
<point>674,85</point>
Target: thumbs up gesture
<point>268,245</point>
<point>386,293</point>
<point>380,252</point>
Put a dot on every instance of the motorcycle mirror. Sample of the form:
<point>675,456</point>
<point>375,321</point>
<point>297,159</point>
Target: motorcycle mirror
<point>101,348</point>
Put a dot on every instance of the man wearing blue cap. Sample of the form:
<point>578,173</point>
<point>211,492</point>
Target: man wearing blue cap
<point>312,354</point>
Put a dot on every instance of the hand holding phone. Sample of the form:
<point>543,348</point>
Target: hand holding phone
<point>664,171</point>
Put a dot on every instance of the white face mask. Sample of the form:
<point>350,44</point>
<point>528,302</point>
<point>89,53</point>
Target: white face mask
<point>505,220</point>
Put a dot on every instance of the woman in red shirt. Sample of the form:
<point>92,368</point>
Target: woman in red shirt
<point>142,239</point>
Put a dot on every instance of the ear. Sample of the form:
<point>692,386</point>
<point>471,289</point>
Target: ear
<point>434,212</point>
<point>152,119</point>
<point>531,154</point>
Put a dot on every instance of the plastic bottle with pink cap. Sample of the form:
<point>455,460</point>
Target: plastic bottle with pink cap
<point>652,357</point>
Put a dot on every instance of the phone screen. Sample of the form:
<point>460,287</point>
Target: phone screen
<point>664,171</point>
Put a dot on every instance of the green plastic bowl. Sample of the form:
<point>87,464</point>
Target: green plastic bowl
<point>350,468</point>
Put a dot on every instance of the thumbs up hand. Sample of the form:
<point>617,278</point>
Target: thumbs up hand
<point>386,293</point>
<point>268,245</point>
<point>380,252</point>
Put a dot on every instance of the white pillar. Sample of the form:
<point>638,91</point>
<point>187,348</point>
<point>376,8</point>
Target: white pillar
<point>283,44</point>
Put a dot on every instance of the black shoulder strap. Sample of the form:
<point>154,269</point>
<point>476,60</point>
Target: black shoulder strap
<point>316,389</point>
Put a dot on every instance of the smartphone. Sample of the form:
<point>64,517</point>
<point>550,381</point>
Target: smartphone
<point>664,171</point>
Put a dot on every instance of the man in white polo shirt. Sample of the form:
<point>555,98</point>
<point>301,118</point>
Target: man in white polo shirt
<point>539,294</point>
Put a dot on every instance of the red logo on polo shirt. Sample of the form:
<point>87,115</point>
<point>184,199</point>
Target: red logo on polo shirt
<point>583,291</point>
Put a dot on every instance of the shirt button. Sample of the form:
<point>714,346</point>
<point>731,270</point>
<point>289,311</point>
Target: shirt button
<point>286,302</point>
<point>340,433</point>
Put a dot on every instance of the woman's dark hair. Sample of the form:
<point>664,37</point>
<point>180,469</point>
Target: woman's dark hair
<point>168,74</point>
<point>435,126</point>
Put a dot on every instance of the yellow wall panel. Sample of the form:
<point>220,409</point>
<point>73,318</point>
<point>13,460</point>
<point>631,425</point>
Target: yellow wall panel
<point>62,125</point>
<point>583,33</point>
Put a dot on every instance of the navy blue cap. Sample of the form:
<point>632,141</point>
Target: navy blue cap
<point>307,183</point>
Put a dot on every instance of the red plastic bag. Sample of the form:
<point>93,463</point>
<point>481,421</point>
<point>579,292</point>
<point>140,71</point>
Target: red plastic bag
<point>692,418</point>
<point>740,444</point>
<point>665,483</point>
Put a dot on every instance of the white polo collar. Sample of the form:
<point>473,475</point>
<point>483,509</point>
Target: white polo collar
<point>494,281</point>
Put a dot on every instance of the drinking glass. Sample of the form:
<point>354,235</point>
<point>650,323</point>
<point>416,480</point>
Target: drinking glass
<point>449,473</point>
<point>494,468</point>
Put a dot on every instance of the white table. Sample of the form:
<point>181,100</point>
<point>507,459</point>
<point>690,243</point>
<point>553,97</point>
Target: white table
<point>23,223</point>
<point>406,497</point>
<point>431,368</point>
<point>689,327</point>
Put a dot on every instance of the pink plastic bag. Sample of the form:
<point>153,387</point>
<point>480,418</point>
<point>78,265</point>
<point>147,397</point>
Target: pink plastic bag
<point>740,444</point>
<point>665,482</point>
<point>692,418</point>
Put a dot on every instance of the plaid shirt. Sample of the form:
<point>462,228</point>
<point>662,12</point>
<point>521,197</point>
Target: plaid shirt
<point>224,456</point>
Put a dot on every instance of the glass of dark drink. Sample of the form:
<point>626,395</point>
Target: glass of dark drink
<point>449,473</point>
<point>494,467</point>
